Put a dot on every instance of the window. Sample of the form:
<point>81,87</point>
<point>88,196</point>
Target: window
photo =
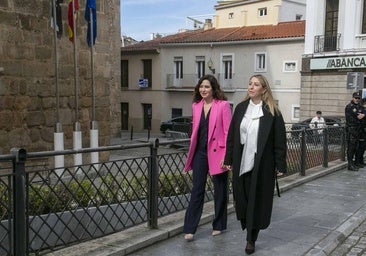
<point>124,73</point>
<point>227,61</point>
<point>147,108</point>
<point>124,115</point>
<point>231,15</point>
<point>331,25</point>
<point>178,66</point>
<point>200,66</point>
<point>290,66</point>
<point>177,112</point>
<point>295,112</point>
<point>262,12</point>
<point>364,18</point>
<point>298,16</point>
<point>147,65</point>
<point>260,62</point>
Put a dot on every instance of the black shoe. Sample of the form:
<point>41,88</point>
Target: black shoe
<point>352,168</point>
<point>250,248</point>
<point>359,165</point>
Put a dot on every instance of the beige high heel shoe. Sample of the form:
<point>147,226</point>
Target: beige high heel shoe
<point>188,237</point>
<point>216,232</point>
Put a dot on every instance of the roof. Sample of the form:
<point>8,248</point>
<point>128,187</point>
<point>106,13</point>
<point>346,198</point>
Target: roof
<point>292,29</point>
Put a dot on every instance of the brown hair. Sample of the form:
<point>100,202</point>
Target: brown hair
<point>217,93</point>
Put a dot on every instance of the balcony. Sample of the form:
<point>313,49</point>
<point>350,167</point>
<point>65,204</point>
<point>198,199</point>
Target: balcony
<point>324,43</point>
<point>190,81</point>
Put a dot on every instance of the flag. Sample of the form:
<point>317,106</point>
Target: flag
<point>70,18</point>
<point>91,6</point>
<point>58,18</point>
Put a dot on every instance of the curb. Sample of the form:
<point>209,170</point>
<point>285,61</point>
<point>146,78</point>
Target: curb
<point>138,237</point>
<point>327,245</point>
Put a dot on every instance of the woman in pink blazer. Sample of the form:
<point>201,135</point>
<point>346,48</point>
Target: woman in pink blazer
<point>210,124</point>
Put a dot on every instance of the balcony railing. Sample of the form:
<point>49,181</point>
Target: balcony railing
<point>190,80</point>
<point>324,43</point>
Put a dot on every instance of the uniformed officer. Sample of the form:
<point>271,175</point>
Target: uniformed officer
<point>354,114</point>
<point>359,162</point>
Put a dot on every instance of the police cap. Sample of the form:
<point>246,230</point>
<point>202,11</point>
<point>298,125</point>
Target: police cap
<point>356,95</point>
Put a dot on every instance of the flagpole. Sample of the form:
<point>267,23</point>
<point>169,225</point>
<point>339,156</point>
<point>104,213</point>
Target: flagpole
<point>92,61</point>
<point>56,60</point>
<point>77,129</point>
<point>94,156</point>
<point>75,65</point>
<point>58,136</point>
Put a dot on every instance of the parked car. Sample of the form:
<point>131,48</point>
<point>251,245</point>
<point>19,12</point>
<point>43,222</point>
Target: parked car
<point>329,121</point>
<point>181,124</point>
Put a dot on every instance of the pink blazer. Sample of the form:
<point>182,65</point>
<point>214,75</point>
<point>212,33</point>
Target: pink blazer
<point>218,126</point>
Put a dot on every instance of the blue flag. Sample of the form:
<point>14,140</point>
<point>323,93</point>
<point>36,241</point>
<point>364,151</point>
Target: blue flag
<point>91,9</point>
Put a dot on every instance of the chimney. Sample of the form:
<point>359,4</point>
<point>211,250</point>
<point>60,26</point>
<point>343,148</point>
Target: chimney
<point>208,24</point>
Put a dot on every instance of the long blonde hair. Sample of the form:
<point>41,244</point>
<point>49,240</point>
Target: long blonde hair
<point>267,96</point>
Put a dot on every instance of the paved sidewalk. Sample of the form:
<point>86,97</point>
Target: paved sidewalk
<point>325,216</point>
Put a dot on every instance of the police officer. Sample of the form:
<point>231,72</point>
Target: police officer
<point>359,162</point>
<point>354,113</point>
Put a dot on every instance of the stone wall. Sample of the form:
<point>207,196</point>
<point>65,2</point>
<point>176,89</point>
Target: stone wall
<point>324,90</point>
<point>28,94</point>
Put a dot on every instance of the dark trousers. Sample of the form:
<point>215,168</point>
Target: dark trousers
<point>195,207</point>
<point>252,234</point>
<point>352,144</point>
<point>360,151</point>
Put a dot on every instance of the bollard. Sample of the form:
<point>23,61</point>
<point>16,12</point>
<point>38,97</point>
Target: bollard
<point>19,196</point>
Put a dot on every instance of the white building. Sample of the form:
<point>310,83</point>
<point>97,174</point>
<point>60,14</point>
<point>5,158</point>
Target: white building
<point>168,68</point>
<point>334,57</point>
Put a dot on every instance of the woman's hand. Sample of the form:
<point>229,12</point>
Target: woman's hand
<point>224,166</point>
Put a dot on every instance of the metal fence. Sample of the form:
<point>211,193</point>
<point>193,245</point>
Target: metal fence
<point>44,209</point>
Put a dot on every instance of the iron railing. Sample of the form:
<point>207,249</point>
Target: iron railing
<point>327,43</point>
<point>43,209</point>
<point>190,80</point>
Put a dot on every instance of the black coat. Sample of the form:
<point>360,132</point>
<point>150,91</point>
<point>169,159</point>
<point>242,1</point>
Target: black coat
<point>271,156</point>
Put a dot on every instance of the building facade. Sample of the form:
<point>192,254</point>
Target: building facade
<point>334,57</point>
<point>163,72</point>
<point>32,107</point>
<point>257,12</point>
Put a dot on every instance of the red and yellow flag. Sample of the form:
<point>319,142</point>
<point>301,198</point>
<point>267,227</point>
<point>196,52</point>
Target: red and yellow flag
<point>70,12</point>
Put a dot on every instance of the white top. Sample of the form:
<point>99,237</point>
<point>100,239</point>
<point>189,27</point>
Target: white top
<point>317,123</point>
<point>249,135</point>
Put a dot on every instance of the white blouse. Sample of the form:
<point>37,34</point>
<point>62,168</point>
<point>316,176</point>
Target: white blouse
<point>249,135</point>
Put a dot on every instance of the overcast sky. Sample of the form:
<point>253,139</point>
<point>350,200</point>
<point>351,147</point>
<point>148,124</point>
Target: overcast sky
<point>141,18</point>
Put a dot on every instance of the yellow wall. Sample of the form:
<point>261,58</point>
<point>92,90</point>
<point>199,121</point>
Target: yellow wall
<point>247,14</point>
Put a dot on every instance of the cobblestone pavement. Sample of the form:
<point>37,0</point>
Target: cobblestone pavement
<point>354,244</point>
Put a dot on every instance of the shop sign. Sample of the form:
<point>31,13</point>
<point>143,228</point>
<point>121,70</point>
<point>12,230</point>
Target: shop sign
<point>338,62</point>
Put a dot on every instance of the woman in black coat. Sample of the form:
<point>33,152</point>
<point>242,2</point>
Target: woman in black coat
<point>256,153</point>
